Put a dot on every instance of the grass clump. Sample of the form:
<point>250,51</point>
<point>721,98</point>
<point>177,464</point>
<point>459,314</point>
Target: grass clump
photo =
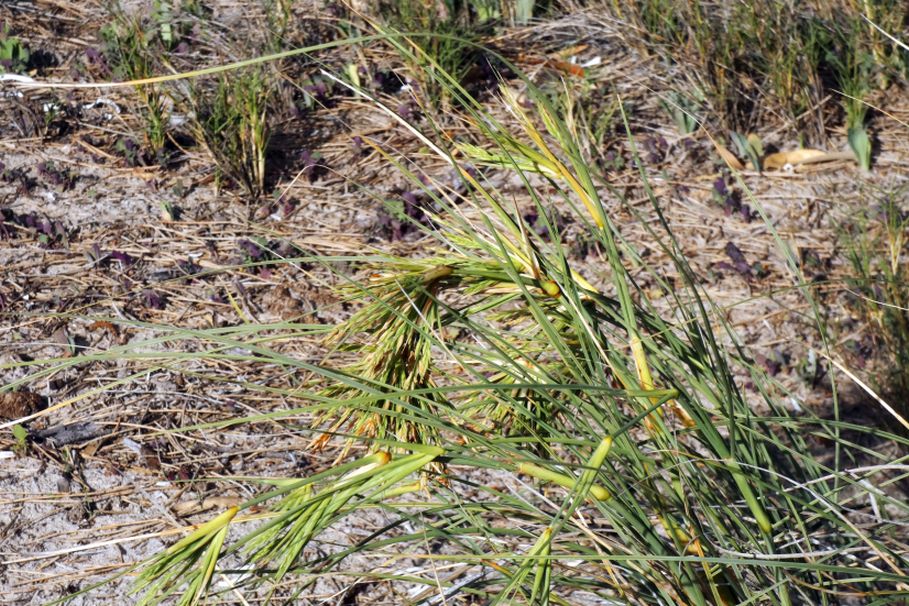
<point>442,39</point>
<point>228,117</point>
<point>875,248</point>
<point>130,51</point>
<point>231,120</point>
<point>754,58</point>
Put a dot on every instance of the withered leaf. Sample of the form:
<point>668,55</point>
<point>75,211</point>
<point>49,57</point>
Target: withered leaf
<point>17,404</point>
<point>794,157</point>
<point>738,259</point>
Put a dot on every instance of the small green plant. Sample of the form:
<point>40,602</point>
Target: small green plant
<point>231,120</point>
<point>14,55</point>
<point>750,148</point>
<point>684,109</point>
<point>860,143</point>
<point>132,57</point>
<point>854,72</point>
<point>163,16</point>
<point>20,434</point>
<point>168,23</point>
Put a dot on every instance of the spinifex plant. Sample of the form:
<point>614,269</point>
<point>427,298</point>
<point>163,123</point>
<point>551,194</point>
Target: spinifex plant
<point>396,351</point>
<point>657,483</point>
<point>543,432</point>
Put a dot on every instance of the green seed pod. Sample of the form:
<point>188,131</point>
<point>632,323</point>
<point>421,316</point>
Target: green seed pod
<point>551,288</point>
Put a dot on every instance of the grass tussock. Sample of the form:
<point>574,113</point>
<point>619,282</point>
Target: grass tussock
<point>549,432</point>
<point>231,119</point>
<point>756,59</point>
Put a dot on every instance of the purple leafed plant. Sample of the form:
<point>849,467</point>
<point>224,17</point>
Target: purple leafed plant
<point>153,300</point>
<point>359,147</point>
<point>253,251</point>
<point>100,257</point>
<point>730,201</point>
<point>55,176</point>
<point>387,81</point>
<point>313,167</point>
<point>130,150</point>
<point>739,263</point>
<point>409,110</point>
<point>265,254</point>
<point>96,61</point>
<point>124,259</point>
<point>49,231</point>
<point>655,147</point>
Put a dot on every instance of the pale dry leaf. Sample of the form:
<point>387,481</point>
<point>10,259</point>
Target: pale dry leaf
<point>797,156</point>
<point>728,157</point>
<point>188,508</point>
